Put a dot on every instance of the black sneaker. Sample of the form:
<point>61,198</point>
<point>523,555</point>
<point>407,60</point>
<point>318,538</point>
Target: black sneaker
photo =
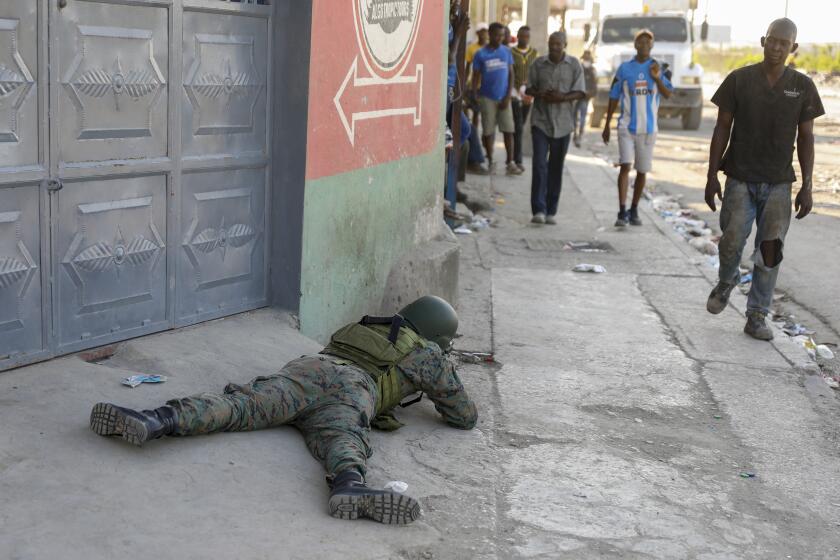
<point>719,298</point>
<point>757,327</point>
<point>623,219</point>
<point>634,217</point>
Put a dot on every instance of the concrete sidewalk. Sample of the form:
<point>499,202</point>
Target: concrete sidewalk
<point>633,415</point>
<point>617,421</point>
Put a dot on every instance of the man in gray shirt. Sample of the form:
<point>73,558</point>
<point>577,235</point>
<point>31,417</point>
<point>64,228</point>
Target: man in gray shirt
<point>555,82</point>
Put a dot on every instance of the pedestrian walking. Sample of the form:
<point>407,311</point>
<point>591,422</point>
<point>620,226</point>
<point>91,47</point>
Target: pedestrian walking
<point>582,105</point>
<point>333,398</point>
<point>638,86</point>
<point>523,56</point>
<point>767,107</point>
<point>475,159</point>
<point>493,70</point>
<point>555,82</point>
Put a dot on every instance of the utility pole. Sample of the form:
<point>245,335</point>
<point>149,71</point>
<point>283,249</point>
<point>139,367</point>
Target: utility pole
<point>786,7</point>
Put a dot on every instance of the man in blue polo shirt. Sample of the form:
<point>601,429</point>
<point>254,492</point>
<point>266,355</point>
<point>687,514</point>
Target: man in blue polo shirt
<point>493,68</point>
<point>638,85</point>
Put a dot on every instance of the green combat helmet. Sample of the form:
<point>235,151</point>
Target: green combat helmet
<point>433,319</point>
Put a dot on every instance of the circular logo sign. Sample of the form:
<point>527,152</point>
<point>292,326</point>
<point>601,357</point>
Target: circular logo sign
<point>387,31</point>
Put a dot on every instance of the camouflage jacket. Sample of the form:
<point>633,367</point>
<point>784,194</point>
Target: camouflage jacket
<point>428,370</point>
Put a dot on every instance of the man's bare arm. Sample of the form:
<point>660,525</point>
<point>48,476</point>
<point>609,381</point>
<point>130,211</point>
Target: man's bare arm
<point>610,110</point>
<point>506,99</point>
<point>720,139</point>
<point>476,76</point>
<point>573,96</point>
<point>656,74</point>
<point>805,148</point>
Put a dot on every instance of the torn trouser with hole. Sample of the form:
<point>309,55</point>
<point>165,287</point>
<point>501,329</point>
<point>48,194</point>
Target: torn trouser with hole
<point>769,206</point>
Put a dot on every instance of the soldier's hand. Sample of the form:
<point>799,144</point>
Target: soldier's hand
<point>713,189</point>
<point>804,202</point>
<point>655,71</point>
<point>606,134</point>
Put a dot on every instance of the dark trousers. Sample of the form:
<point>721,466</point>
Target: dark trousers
<point>547,172</point>
<point>520,115</point>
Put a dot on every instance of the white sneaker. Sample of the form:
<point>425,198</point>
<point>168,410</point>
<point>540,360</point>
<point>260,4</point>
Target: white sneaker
<point>551,220</point>
<point>539,218</point>
<point>513,169</point>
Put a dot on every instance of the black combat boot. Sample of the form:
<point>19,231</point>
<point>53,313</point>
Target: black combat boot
<point>350,498</point>
<point>135,427</point>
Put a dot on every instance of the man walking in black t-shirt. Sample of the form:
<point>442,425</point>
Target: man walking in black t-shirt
<point>767,107</point>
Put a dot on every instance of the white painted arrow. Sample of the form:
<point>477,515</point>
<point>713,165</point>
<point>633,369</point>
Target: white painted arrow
<point>404,95</point>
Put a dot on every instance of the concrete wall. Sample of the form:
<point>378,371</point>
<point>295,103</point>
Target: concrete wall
<point>372,210</point>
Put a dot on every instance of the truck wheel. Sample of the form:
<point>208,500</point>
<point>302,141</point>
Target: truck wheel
<point>691,118</point>
<point>597,117</point>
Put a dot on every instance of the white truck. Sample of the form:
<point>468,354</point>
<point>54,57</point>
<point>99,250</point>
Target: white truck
<point>613,44</point>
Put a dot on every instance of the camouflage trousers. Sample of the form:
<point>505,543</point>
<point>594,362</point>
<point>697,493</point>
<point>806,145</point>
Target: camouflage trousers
<point>330,404</point>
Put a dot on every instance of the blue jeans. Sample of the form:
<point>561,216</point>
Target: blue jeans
<point>768,205</point>
<point>547,171</point>
<point>581,107</point>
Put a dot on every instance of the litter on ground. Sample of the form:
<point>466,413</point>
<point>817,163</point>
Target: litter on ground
<point>595,268</point>
<point>136,380</point>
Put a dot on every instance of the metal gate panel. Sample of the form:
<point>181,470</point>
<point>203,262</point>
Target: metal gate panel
<point>18,84</point>
<point>23,158</point>
<point>224,75</point>
<point>221,267</point>
<point>20,274</point>
<point>113,76</point>
<point>221,264</point>
<point>103,164</point>
<point>111,277</point>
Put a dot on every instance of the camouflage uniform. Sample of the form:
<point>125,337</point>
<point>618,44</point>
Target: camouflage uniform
<point>330,402</point>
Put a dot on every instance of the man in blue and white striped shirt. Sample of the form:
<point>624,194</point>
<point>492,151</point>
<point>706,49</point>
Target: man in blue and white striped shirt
<point>638,86</point>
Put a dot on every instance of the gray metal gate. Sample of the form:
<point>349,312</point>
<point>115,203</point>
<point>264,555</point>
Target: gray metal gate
<point>133,176</point>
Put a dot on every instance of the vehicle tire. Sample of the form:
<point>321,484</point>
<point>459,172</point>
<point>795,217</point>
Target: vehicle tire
<point>691,118</point>
<point>597,117</point>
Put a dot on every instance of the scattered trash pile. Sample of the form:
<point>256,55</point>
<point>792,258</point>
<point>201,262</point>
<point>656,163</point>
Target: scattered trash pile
<point>464,222</point>
<point>820,354</point>
<point>685,222</point>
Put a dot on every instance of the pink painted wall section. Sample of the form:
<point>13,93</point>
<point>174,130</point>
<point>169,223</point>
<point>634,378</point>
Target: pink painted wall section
<point>376,82</point>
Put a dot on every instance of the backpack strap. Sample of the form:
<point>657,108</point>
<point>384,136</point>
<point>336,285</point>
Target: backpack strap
<point>396,322</point>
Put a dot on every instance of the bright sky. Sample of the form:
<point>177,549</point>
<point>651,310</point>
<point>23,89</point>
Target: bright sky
<point>817,20</point>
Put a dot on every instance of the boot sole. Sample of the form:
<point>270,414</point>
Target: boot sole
<point>106,420</point>
<point>390,509</point>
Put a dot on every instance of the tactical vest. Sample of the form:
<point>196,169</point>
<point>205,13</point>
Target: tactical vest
<point>377,345</point>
